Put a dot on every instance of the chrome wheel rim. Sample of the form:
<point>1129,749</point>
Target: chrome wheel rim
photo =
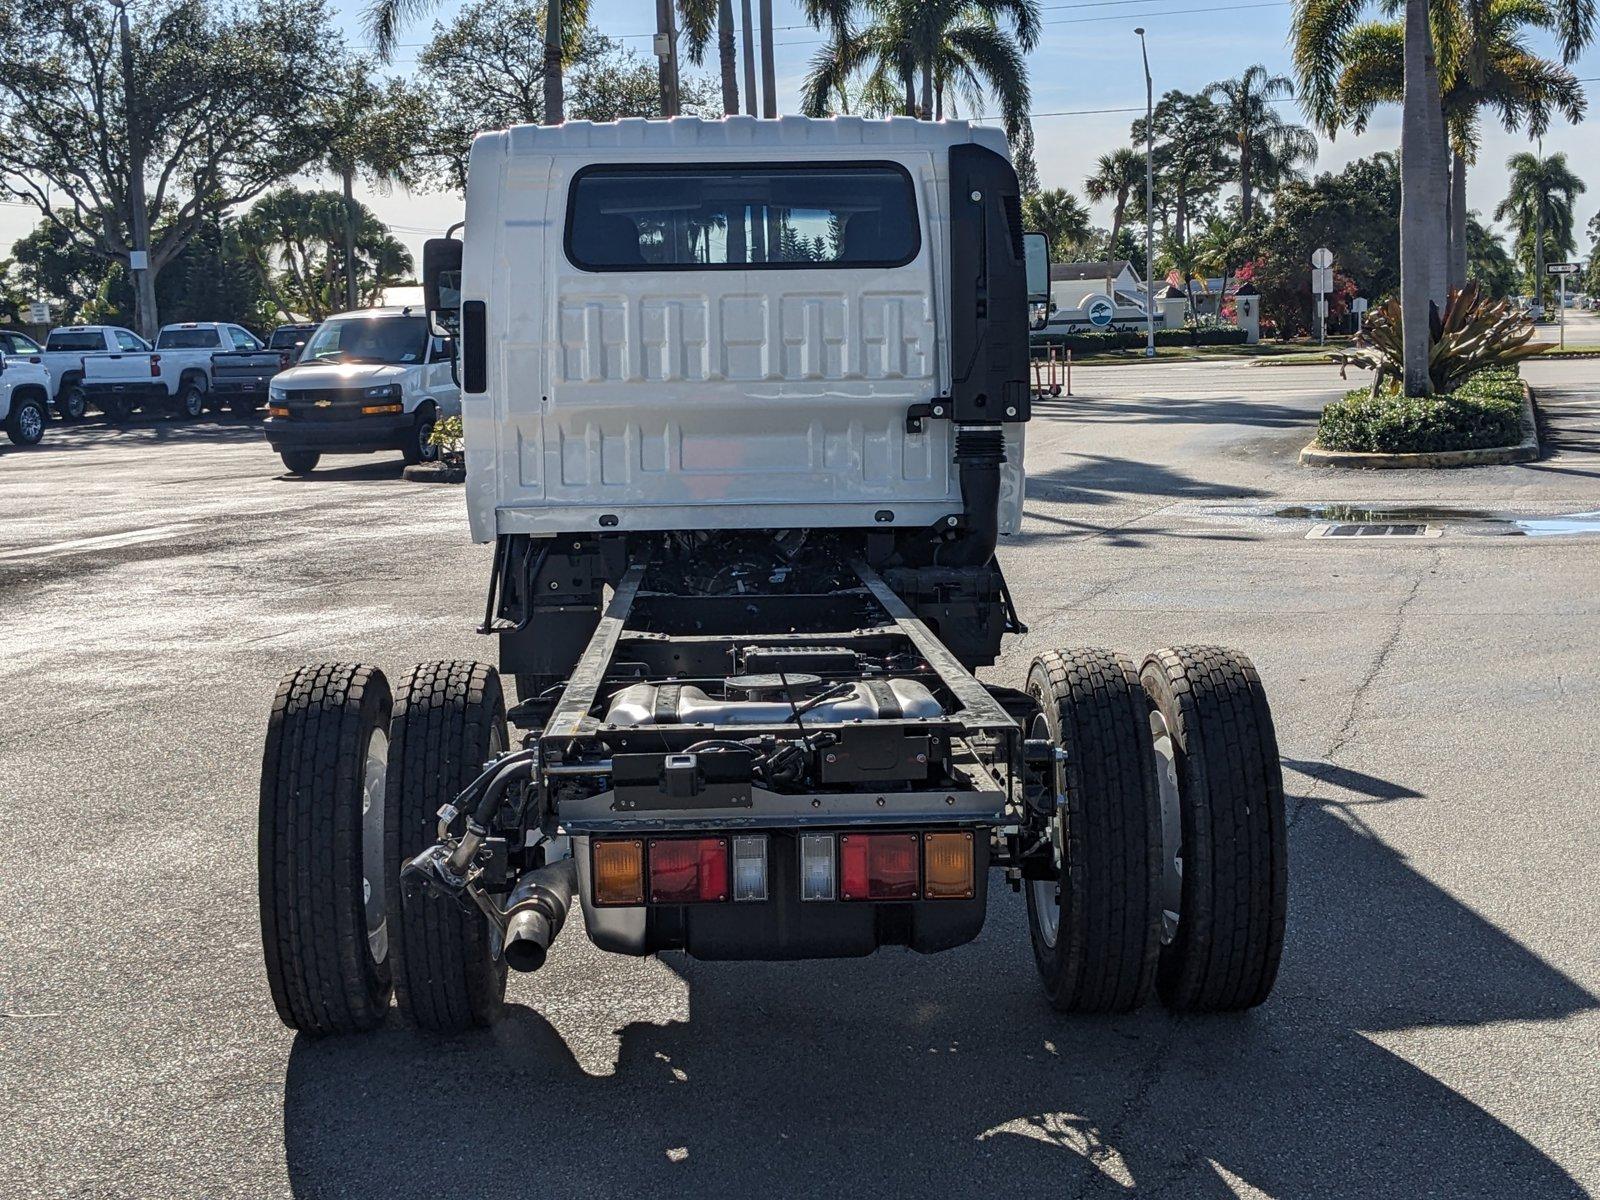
<point>76,404</point>
<point>425,446</point>
<point>1047,892</point>
<point>194,404</point>
<point>374,783</point>
<point>1171,827</point>
<point>31,422</point>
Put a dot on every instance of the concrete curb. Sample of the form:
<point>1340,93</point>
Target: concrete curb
<point>1527,450</point>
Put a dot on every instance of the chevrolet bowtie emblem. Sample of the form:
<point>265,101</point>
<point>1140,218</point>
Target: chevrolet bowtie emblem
<point>323,403</point>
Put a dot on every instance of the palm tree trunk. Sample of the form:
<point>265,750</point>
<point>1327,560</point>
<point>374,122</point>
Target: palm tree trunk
<point>730,68</point>
<point>352,294</point>
<point>1458,220</point>
<point>750,99</point>
<point>769,67</point>
<point>911,94</point>
<point>554,98</point>
<point>1538,246</point>
<point>926,109</point>
<point>1246,190</point>
<point>1421,198</point>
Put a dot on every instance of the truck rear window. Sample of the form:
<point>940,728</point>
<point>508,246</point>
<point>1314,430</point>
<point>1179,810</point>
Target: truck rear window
<point>76,341</point>
<point>188,339</point>
<point>686,217</point>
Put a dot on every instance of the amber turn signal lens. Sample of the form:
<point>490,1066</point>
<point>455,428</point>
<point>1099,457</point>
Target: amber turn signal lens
<point>369,410</point>
<point>619,872</point>
<point>947,866</point>
<point>273,411</point>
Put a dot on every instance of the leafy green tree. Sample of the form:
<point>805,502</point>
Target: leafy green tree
<point>197,109</point>
<point>1118,177</point>
<point>1489,264</point>
<point>1591,281</point>
<point>1191,162</point>
<point>298,242</point>
<point>923,58</point>
<point>1539,206</point>
<point>1268,150</point>
<point>1060,217</point>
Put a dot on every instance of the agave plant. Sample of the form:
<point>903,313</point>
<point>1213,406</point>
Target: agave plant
<point>1473,333</point>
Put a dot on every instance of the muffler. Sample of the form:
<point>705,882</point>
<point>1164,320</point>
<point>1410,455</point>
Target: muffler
<point>536,911</point>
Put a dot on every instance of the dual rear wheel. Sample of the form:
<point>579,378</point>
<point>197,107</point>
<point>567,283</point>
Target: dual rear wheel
<point>1167,832</point>
<point>352,779</point>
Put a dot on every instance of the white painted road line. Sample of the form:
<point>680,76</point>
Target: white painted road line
<point>105,541</point>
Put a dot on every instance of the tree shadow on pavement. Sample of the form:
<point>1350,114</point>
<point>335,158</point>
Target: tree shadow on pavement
<point>950,1076</point>
<point>1103,478</point>
<point>1179,410</point>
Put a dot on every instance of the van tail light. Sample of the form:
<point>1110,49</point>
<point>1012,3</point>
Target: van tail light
<point>879,866</point>
<point>688,870</point>
<point>155,366</point>
<point>619,872</point>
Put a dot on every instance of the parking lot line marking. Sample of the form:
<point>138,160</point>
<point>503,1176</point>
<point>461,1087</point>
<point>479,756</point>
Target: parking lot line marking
<point>105,541</point>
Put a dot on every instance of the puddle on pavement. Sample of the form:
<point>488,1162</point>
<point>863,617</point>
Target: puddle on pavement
<point>1586,522</point>
<point>1360,514</point>
<point>1470,521</point>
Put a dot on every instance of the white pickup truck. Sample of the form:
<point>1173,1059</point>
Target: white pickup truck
<point>175,376</point>
<point>62,355</point>
<point>368,381</point>
<point>24,395</point>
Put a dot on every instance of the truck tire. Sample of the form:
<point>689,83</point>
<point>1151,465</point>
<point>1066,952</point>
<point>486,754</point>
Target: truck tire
<point>116,409</point>
<point>1215,741</point>
<point>191,400</point>
<point>72,404</point>
<point>26,420</point>
<point>1096,926</point>
<point>300,462</point>
<point>320,845</point>
<point>419,449</point>
<point>449,719</point>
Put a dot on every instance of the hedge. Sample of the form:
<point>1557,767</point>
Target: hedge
<point>1485,411</point>
<point>1134,339</point>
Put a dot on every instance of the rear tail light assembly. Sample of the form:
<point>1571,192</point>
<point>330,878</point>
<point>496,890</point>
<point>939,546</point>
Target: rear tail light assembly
<point>155,366</point>
<point>881,867</point>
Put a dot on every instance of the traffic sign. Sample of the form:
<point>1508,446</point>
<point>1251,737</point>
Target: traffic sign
<point>1562,268</point>
<point>1358,305</point>
<point>1322,279</point>
<point>1322,258</point>
<point>38,313</point>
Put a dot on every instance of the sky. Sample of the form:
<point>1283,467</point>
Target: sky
<point>1087,88</point>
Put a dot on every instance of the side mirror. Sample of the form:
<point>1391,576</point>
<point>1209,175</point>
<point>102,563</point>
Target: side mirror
<point>1036,254</point>
<point>441,283</point>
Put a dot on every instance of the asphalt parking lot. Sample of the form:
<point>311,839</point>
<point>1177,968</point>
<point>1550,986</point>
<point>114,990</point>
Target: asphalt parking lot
<point>1435,1029</point>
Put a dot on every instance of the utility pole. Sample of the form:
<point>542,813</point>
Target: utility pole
<point>667,55</point>
<point>1149,203</point>
<point>769,72</point>
<point>752,102</point>
<point>144,289</point>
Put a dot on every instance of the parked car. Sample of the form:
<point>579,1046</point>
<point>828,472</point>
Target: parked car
<point>240,378</point>
<point>368,381</point>
<point>14,342</point>
<point>175,376</point>
<point>62,355</point>
<point>292,338</point>
<point>24,399</point>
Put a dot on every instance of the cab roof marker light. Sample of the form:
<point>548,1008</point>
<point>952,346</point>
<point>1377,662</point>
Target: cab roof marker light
<point>816,866</point>
<point>750,867</point>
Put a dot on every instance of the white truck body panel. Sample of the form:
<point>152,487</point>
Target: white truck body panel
<point>62,363</point>
<point>20,375</point>
<point>707,399</point>
<point>173,362</point>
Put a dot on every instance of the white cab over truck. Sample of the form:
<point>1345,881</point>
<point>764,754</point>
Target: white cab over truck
<point>24,399</point>
<point>744,405</point>
<point>63,354</point>
<point>367,381</point>
<point>175,376</point>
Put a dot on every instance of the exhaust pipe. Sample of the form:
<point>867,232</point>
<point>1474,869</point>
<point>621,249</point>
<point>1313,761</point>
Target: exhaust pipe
<point>536,911</point>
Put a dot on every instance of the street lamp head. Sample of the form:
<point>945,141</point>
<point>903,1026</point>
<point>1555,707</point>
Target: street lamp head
<point>1140,30</point>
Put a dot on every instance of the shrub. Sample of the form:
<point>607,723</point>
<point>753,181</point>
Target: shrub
<point>1484,411</point>
<point>447,434</point>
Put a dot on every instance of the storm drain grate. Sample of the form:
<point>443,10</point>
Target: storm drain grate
<point>1374,529</point>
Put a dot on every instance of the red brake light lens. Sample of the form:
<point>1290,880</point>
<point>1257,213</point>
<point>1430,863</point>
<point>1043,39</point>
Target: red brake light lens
<point>688,870</point>
<point>878,866</point>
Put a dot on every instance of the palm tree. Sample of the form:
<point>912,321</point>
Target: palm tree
<point>1267,146</point>
<point>1489,67</point>
<point>703,19</point>
<point>1539,206</point>
<point>929,54</point>
<point>1118,177</point>
<point>565,20</point>
<point>1224,245</point>
<point>1060,217</point>
<point>366,130</point>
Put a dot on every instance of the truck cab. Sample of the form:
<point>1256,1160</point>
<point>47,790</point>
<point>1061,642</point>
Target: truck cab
<point>24,399</point>
<point>63,354</point>
<point>368,381</point>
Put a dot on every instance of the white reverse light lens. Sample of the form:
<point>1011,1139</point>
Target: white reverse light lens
<point>816,866</point>
<point>750,868</point>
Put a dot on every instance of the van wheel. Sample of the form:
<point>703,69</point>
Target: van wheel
<point>300,462</point>
<point>450,719</point>
<point>72,404</point>
<point>191,401</point>
<point>1095,922</point>
<point>25,423</point>
<point>324,930</point>
<point>1225,856</point>
<point>421,449</point>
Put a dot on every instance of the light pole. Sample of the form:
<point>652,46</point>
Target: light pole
<point>1149,203</point>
